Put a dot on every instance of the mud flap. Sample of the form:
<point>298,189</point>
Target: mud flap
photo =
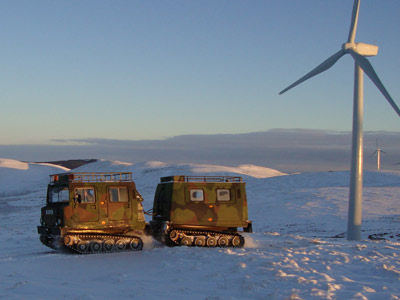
<point>249,227</point>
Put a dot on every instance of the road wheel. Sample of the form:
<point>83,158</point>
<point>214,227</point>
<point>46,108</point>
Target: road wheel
<point>223,241</point>
<point>200,241</point>
<point>120,245</point>
<point>109,245</point>
<point>237,241</point>
<point>186,241</point>
<point>136,244</point>
<point>211,241</point>
<point>82,246</point>
<point>95,247</point>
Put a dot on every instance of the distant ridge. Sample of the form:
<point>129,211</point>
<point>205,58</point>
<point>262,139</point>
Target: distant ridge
<point>71,163</point>
<point>296,150</point>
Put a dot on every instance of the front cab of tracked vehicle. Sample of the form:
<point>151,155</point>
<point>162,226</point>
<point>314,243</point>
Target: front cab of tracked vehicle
<point>88,204</point>
<point>201,211</point>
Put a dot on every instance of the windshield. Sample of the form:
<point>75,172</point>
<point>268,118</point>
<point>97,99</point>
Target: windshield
<point>59,194</point>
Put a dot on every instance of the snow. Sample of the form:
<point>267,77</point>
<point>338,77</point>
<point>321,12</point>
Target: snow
<point>13,164</point>
<point>296,252</point>
<point>251,170</point>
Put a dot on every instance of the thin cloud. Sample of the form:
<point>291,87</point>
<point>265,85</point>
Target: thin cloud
<point>287,150</point>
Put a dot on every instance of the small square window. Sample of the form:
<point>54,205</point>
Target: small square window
<point>196,195</point>
<point>118,194</point>
<point>84,195</point>
<point>223,195</point>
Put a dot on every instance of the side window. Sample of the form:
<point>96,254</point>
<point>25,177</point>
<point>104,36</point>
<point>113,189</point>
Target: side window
<point>64,195</point>
<point>59,195</point>
<point>223,195</point>
<point>196,195</point>
<point>84,195</point>
<point>118,194</point>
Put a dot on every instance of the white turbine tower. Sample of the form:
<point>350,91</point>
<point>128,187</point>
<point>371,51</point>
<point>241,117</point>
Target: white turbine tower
<point>378,156</point>
<point>358,51</point>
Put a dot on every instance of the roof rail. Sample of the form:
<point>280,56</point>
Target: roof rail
<point>182,178</point>
<point>92,177</point>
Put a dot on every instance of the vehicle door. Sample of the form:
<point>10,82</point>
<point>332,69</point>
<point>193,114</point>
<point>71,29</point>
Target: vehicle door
<point>85,205</point>
<point>119,203</point>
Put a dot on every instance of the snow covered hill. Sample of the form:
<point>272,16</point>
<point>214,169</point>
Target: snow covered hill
<point>296,251</point>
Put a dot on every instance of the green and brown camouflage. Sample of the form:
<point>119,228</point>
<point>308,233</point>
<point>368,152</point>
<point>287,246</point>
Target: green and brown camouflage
<point>91,204</point>
<point>202,203</point>
<point>103,212</point>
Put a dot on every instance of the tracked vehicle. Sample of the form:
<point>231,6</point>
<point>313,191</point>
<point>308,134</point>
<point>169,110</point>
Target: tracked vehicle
<point>204,211</point>
<point>92,213</point>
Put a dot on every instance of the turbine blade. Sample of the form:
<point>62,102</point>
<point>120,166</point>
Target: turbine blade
<point>369,70</point>
<point>321,68</point>
<point>354,21</point>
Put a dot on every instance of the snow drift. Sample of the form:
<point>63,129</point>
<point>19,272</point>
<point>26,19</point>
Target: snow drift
<point>296,252</point>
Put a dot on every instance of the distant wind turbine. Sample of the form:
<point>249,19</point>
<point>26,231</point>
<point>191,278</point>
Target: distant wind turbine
<point>378,156</point>
<point>358,51</point>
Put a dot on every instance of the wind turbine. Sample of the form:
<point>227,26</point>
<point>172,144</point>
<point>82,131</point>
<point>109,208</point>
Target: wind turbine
<point>378,156</point>
<point>358,51</point>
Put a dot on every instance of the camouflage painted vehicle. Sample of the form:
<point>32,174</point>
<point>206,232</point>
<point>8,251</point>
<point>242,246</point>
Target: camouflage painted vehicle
<point>200,211</point>
<point>92,213</point>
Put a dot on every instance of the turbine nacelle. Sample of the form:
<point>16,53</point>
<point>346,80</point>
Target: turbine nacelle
<point>361,49</point>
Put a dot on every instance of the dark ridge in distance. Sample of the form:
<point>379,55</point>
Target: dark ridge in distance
<point>71,163</point>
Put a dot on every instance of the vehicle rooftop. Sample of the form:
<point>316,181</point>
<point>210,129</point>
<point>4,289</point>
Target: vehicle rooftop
<point>92,177</point>
<point>183,178</point>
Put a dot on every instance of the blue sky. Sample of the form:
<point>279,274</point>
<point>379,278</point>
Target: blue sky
<point>156,69</point>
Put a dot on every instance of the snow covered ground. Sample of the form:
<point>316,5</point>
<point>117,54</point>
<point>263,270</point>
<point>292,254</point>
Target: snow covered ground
<point>296,252</point>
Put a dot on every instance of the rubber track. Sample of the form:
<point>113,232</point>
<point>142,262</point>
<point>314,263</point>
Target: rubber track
<point>100,237</point>
<point>195,233</point>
